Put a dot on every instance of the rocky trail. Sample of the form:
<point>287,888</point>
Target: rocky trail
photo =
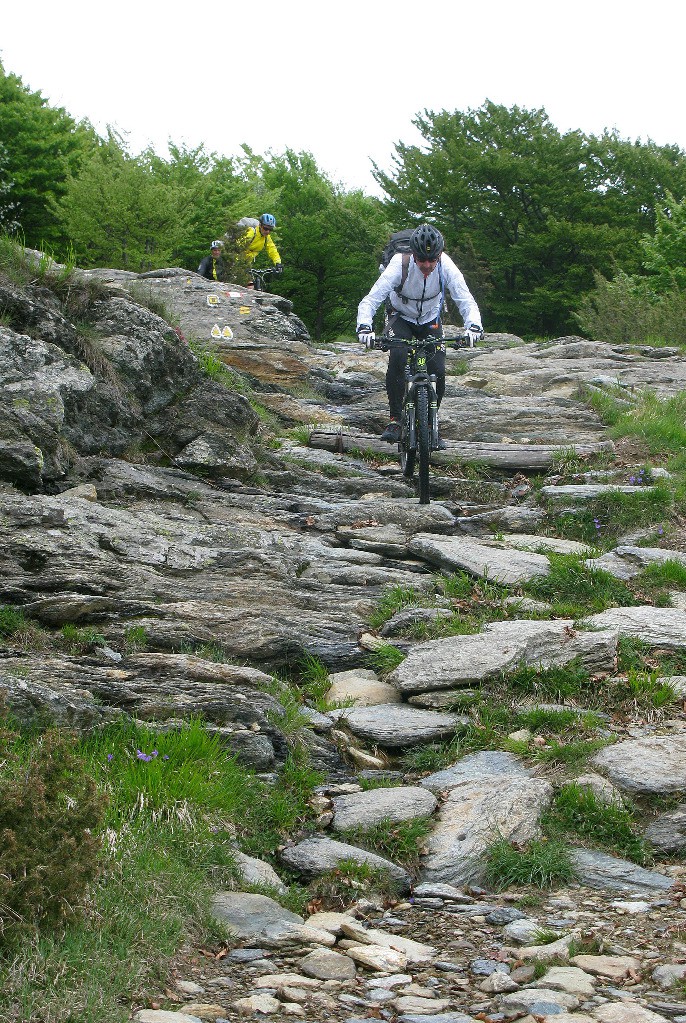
<point>142,498</point>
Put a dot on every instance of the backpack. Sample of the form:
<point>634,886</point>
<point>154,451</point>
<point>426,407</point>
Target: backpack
<point>400,242</point>
<point>252,222</point>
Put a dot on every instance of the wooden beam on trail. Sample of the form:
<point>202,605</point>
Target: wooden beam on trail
<point>505,457</point>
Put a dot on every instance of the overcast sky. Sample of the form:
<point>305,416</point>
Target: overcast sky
<point>344,80</point>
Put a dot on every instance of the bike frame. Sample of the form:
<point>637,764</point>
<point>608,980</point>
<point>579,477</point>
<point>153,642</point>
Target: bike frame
<point>259,277</point>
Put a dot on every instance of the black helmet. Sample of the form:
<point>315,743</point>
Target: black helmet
<point>426,242</point>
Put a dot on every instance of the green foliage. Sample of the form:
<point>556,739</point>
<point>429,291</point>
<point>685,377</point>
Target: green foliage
<point>22,631</point>
<point>605,518</point>
<point>610,825</point>
<point>314,679</point>
<point>542,863</point>
<point>575,590</point>
<point>50,812</point>
<point>556,683</point>
<point>625,310</point>
<point>665,250</point>
<point>645,689</point>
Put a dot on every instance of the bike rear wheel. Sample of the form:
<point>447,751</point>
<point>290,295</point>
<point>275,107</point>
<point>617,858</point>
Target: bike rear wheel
<point>423,448</point>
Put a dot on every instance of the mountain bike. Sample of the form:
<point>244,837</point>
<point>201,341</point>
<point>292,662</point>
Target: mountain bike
<point>259,277</point>
<point>419,416</point>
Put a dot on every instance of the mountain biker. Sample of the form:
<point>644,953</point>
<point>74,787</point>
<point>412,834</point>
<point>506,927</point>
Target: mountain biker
<point>257,238</point>
<point>212,266</point>
<point>416,291</point>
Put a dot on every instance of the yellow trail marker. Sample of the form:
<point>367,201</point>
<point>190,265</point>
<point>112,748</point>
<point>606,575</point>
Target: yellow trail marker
<point>216,332</point>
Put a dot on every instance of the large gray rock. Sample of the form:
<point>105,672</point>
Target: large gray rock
<point>657,626</point>
<point>598,870</point>
<point>397,726</point>
<point>500,647</point>
<point>476,766</point>
<point>366,809</point>
<point>654,764</point>
<point>488,560</point>
<point>668,832</point>
<point>314,856</point>
<point>475,814</point>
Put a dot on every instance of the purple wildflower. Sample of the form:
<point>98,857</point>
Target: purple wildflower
<point>143,756</point>
<point>110,756</point>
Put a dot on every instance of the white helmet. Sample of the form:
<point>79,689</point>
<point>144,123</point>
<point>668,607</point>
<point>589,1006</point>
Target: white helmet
<point>217,245</point>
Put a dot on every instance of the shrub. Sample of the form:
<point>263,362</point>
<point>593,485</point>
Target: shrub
<point>50,813</point>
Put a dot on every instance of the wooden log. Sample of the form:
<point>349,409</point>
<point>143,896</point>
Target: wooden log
<point>515,457</point>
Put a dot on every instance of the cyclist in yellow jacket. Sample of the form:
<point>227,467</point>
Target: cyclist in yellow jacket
<point>257,238</point>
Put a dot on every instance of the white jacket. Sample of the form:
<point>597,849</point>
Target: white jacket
<point>420,301</point>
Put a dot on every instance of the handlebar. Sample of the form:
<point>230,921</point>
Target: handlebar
<point>386,343</point>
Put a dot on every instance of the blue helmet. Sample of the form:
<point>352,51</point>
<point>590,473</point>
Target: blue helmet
<point>267,220</point>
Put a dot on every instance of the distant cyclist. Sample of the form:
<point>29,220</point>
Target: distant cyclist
<point>415,284</point>
<point>257,238</point>
<point>212,266</point>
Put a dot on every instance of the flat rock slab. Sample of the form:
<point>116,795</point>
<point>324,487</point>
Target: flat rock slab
<point>476,766</point>
<point>475,814</point>
<point>610,873</point>
<point>365,809</point>
<point>480,558</point>
<point>658,626</point>
<point>502,646</point>
<point>397,726</point>
<point>315,856</point>
<point>654,764</point>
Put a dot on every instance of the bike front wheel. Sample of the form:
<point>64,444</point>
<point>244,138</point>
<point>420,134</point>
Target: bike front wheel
<point>408,455</point>
<point>423,447</point>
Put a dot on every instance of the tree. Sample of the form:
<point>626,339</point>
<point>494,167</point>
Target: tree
<point>665,250</point>
<point>328,238</point>
<point>8,208</point>
<point>119,212</point>
<point>44,146</point>
<point>542,211</point>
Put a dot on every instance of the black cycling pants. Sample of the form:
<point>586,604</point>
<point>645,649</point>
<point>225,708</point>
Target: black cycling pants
<point>400,329</point>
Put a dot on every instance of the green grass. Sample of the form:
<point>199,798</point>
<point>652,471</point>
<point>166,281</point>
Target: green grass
<point>177,802</point>
<point>657,579</point>
<point>542,863</point>
<point>634,653</point>
<point>313,680</point>
<point>22,631</point>
<point>602,520</point>
<point>609,825</point>
<point>135,639</point>
<point>557,683</point>
<point>394,599</point>
<point>77,640</point>
<point>398,841</point>
<point>386,658</point>
<point>574,590</point>
<point>348,881</point>
<point>645,690</point>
